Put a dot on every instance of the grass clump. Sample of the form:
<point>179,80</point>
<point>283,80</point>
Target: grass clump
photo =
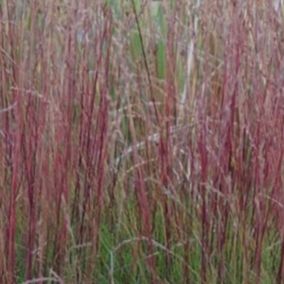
<point>141,142</point>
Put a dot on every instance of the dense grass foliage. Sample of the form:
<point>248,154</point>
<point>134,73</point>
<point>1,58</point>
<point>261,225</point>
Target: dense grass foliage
<point>141,141</point>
